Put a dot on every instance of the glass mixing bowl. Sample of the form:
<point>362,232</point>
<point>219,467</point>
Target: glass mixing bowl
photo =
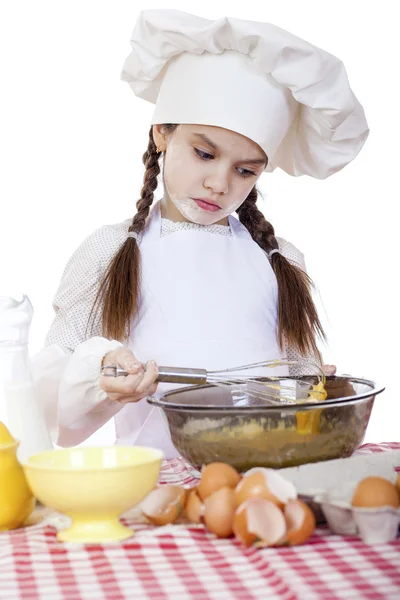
<point>208,424</point>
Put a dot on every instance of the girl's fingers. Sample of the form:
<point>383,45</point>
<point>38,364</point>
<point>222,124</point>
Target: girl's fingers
<point>137,385</point>
<point>125,386</point>
<point>143,384</point>
<point>134,397</point>
<point>152,389</point>
<point>130,363</point>
<point>150,376</point>
<point>124,358</point>
<point>329,369</point>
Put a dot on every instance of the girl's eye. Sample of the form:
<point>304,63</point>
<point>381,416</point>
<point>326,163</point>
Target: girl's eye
<point>246,173</point>
<point>206,156</point>
<point>203,155</point>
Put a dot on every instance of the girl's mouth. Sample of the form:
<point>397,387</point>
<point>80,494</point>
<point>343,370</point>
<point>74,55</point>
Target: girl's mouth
<point>205,205</point>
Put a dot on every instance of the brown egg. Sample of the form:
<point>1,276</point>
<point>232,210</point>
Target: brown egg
<point>215,476</point>
<point>194,507</point>
<point>259,522</point>
<point>373,492</point>
<point>164,504</point>
<point>219,510</point>
<point>267,484</point>
<point>300,522</point>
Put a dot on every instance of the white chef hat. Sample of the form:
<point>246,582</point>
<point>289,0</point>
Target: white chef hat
<point>288,96</point>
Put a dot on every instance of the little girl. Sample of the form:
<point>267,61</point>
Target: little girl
<point>185,283</point>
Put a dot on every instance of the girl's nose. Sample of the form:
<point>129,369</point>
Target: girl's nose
<point>217,182</point>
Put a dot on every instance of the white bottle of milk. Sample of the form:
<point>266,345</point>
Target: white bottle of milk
<point>19,409</point>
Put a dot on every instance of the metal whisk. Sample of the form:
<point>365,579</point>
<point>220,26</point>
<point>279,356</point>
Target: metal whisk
<point>243,388</point>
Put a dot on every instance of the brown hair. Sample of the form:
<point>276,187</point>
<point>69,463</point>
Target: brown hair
<point>119,293</point>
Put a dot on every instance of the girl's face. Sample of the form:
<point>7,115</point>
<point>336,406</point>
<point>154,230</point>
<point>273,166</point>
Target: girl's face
<point>208,171</point>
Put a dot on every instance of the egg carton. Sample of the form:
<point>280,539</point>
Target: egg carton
<point>330,475</point>
<point>328,488</point>
<point>372,525</point>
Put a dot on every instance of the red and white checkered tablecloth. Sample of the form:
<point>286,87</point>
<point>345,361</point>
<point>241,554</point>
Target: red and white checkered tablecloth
<point>184,562</point>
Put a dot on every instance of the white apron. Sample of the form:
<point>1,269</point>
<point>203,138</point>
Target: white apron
<point>208,301</point>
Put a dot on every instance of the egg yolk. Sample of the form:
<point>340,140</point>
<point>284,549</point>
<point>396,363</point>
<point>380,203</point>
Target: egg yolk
<point>309,421</point>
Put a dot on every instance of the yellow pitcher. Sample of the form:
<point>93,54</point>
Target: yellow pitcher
<point>16,499</point>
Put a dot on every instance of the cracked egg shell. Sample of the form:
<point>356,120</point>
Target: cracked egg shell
<point>259,522</point>
<point>300,522</point>
<point>267,484</point>
<point>214,476</point>
<point>164,504</point>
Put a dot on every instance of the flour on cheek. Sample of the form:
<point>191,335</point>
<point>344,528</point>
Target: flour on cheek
<point>181,185</point>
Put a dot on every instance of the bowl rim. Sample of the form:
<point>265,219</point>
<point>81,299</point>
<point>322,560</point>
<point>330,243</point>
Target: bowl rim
<point>157,455</point>
<point>158,399</point>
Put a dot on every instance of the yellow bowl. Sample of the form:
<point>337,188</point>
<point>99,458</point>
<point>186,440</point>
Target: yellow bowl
<point>93,486</point>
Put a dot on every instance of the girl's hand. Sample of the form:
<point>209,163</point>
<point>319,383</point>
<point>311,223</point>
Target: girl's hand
<point>337,388</point>
<point>140,382</point>
<point>329,369</point>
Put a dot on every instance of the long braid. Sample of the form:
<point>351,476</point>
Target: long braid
<point>152,166</point>
<point>260,229</point>
<point>298,321</point>
<point>118,295</point>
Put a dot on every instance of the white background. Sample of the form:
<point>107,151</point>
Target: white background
<point>72,136</point>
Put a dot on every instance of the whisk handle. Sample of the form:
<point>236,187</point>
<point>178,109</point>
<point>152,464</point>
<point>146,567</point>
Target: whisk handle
<point>165,374</point>
<point>182,375</point>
